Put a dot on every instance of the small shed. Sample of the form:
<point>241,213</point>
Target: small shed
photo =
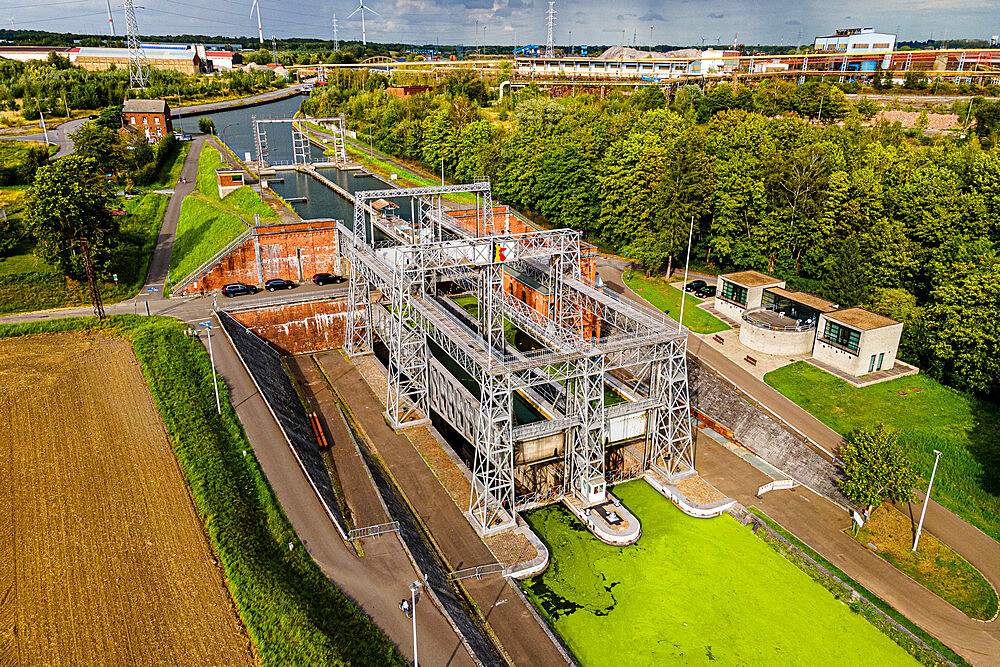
<point>229,180</point>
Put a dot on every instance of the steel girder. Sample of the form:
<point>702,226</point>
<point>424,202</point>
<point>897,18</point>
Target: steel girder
<point>407,392</point>
<point>491,500</point>
<point>669,427</point>
<point>300,145</point>
<point>584,459</point>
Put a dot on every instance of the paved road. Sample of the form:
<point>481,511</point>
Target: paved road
<point>58,135</point>
<point>225,105</point>
<point>821,524</point>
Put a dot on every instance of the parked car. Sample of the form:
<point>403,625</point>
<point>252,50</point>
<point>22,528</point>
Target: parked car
<point>694,285</point>
<point>705,292</point>
<point>278,283</point>
<point>238,289</point>
<point>327,279</point>
<point>92,116</point>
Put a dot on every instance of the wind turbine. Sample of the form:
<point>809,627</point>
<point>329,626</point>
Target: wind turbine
<point>361,8</point>
<point>260,33</point>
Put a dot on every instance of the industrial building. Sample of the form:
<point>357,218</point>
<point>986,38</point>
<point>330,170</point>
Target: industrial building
<point>854,41</point>
<point>177,58</point>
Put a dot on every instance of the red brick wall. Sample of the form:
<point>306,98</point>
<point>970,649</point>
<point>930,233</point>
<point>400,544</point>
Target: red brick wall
<point>165,123</point>
<point>303,327</point>
<point>280,249</point>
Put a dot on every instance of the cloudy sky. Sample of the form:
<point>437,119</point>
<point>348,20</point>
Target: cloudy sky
<point>678,22</point>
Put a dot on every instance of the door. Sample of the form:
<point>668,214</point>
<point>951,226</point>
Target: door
<point>871,364</point>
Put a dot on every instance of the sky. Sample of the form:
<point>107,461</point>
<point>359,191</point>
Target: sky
<point>675,22</point>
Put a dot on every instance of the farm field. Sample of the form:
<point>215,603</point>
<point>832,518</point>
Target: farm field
<point>102,557</point>
<point>691,591</point>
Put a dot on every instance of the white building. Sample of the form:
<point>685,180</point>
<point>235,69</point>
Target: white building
<point>857,341</point>
<point>855,41</point>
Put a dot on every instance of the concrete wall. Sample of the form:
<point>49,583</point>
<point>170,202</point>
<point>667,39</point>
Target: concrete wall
<point>728,308</point>
<point>776,342</point>
<point>294,252</point>
<point>873,342</point>
<point>298,328</point>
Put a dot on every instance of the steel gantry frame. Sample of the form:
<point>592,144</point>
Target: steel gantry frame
<point>301,138</point>
<point>586,334</point>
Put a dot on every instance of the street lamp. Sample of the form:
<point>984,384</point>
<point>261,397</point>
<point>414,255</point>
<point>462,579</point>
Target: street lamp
<point>224,132</point>
<point>208,325</point>
<point>927,500</point>
<point>414,587</point>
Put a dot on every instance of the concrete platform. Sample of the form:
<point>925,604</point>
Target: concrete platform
<point>600,519</point>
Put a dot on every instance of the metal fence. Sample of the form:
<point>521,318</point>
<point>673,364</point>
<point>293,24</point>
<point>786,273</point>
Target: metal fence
<point>373,531</point>
<point>478,572</point>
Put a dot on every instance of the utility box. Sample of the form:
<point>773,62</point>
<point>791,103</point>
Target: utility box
<point>593,490</point>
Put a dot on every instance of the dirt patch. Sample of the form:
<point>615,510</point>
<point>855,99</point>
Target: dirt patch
<point>935,121</point>
<point>102,557</point>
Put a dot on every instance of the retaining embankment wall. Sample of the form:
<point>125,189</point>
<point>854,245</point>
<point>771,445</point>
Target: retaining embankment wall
<point>301,327</point>
<point>293,252</point>
<point>762,435</point>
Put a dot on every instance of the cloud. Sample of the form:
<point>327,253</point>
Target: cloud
<point>651,16</point>
<point>713,15</point>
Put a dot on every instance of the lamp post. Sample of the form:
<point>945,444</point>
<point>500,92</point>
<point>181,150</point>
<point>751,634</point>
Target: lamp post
<point>687,262</point>
<point>927,499</point>
<point>224,132</point>
<point>211,355</point>
<point>414,587</point>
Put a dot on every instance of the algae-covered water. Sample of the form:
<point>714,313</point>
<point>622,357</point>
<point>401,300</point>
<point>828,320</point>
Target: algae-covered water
<point>691,591</point>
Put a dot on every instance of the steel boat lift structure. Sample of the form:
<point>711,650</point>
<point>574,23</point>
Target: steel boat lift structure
<point>586,333</point>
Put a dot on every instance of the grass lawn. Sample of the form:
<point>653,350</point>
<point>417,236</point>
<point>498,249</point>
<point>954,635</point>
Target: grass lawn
<point>934,564</point>
<point>929,416</point>
<point>28,283</point>
<point>691,591</point>
<point>667,298</point>
<point>170,172</point>
<point>202,231</point>
<point>243,201</point>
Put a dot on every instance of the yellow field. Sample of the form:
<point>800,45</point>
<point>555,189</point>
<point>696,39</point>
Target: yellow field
<point>102,557</point>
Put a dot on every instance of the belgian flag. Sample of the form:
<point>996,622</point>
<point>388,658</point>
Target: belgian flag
<point>499,253</point>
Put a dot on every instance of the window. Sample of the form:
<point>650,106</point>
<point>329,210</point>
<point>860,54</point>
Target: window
<point>881,45</point>
<point>131,120</point>
<point>842,337</point>
<point>237,178</point>
<point>156,120</point>
<point>871,364</point>
<point>881,358</point>
<point>145,120</point>
<point>733,292</point>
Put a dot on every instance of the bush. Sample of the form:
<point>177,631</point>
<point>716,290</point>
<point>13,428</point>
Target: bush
<point>206,125</point>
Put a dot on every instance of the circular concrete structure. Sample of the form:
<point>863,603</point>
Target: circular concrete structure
<point>770,333</point>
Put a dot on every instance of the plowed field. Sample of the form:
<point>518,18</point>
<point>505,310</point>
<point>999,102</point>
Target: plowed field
<point>102,558</point>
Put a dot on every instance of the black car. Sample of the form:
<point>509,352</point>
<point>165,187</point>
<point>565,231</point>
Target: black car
<point>695,285</point>
<point>92,117</point>
<point>327,279</point>
<point>278,283</point>
<point>238,289</point>
<point>705,292</point>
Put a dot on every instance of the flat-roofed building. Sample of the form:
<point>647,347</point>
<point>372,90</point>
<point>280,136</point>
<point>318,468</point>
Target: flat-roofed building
<point>742,291</point>
<point>151,117</point>
<point>785,323</point>
<point>177,58</point>
<point>854,41</point>
<point>223,60</point>
<point>857,341</point>
<point>26,53</point>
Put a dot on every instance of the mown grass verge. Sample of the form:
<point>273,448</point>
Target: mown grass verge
<point>934,565</point>
<point>667,298</point>
<point>293,614</point>
<point>202,231</point>
<point>243,201</point>
<point>911,647</point>
<point>170,172</point>
<point>27,283</point>
<point>928,416</point>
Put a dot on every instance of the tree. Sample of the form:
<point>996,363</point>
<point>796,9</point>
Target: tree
<point>70,202</point>
<point>876,468</point>
<point>102,144</point>
<point>206,125</point>
<point>110,116</point>
<point>987,117</point>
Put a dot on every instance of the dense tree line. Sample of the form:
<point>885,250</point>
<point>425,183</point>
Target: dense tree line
<point>56,88</point>
<point>873,216</point>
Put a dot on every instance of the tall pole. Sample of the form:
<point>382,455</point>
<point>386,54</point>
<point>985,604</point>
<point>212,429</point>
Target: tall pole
<point>110,19</point>
<point>549,47</point>
<point>215,382</point>
<point>927,500</point>
<point>138,66</point>
<point>413,616</point>
<point>260,32</point>
<point>41,119</point>
<point>686,263</point>
<point>442,171</point>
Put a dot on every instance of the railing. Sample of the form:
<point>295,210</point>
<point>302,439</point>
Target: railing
<point>534,499</point>
<point>478,572</point>
<point>373,531</point>
<point>215,259</point>
<point>290,300</point>
<point>542,428</point>
<point>750,316</point>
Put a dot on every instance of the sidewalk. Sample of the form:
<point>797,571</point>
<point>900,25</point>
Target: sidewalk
<point>821,524</point>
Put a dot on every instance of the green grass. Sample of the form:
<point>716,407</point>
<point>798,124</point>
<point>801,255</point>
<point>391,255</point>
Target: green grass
<point>170,172</point>
<point>27,283</point>
<point>690,591</point>
<point>934,565</point>
<point>667,298</point>
<point>929,416</point>
<point>293,614</point>
<point>924,656</point>
<point>202,231</point>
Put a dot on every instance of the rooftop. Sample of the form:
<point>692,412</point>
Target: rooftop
<point>806,299</point>
<point>751,278</point>
<point>155,54</point>
<point>144,106</point>
<point>862,319</point>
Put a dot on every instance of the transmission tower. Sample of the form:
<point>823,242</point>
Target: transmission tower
<point>549,50</point>
<point>95,290</point>
<point>138,66</point>
<point>336,42</point>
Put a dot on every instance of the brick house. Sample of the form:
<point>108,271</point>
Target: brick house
<point>151,117</point>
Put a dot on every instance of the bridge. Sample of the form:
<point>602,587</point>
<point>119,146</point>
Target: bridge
<point>468,370</point>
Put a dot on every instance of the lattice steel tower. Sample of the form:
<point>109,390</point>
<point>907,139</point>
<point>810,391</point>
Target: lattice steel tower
<point>549,48</point>
<point>138,66</point>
